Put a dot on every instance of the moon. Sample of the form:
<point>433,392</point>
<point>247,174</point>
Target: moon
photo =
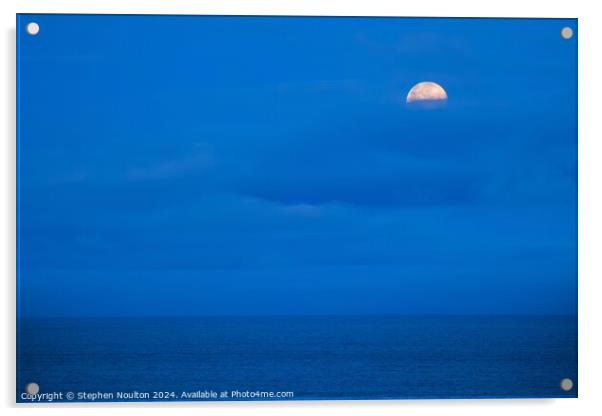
<point>426,91</point>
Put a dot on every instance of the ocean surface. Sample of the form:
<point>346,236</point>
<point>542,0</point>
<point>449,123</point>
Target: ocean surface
<point>314,357</point>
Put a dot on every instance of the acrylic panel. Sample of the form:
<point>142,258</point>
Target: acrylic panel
<point>295,208</point>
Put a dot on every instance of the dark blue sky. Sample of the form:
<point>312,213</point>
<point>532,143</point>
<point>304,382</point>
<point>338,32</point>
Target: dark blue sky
<point>270,165</point>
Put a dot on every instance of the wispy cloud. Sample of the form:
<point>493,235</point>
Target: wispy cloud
<point>171,168</point>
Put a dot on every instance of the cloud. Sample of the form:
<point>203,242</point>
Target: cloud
<point>304,210</point>
<point>171,168</point>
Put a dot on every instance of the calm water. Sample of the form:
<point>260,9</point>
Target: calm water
<point>375,357</point>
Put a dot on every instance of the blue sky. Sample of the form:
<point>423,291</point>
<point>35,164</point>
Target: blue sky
<point>269,165</point>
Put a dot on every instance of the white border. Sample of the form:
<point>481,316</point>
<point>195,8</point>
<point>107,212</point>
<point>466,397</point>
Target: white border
<point>511,8</point>
<point>590,200</point>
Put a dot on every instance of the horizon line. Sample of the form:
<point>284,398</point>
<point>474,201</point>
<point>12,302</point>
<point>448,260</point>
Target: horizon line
<point>293,315</point>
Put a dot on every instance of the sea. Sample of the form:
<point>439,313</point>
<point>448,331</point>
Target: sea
<point>295,358</point>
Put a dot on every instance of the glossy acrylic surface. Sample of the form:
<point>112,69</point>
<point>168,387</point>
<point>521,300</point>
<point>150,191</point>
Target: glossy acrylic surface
<point>254,207</point>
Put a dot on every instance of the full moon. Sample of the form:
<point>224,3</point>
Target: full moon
<point>426,91</point>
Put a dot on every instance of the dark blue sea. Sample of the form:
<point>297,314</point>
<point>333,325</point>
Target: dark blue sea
<point>314,357</point>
